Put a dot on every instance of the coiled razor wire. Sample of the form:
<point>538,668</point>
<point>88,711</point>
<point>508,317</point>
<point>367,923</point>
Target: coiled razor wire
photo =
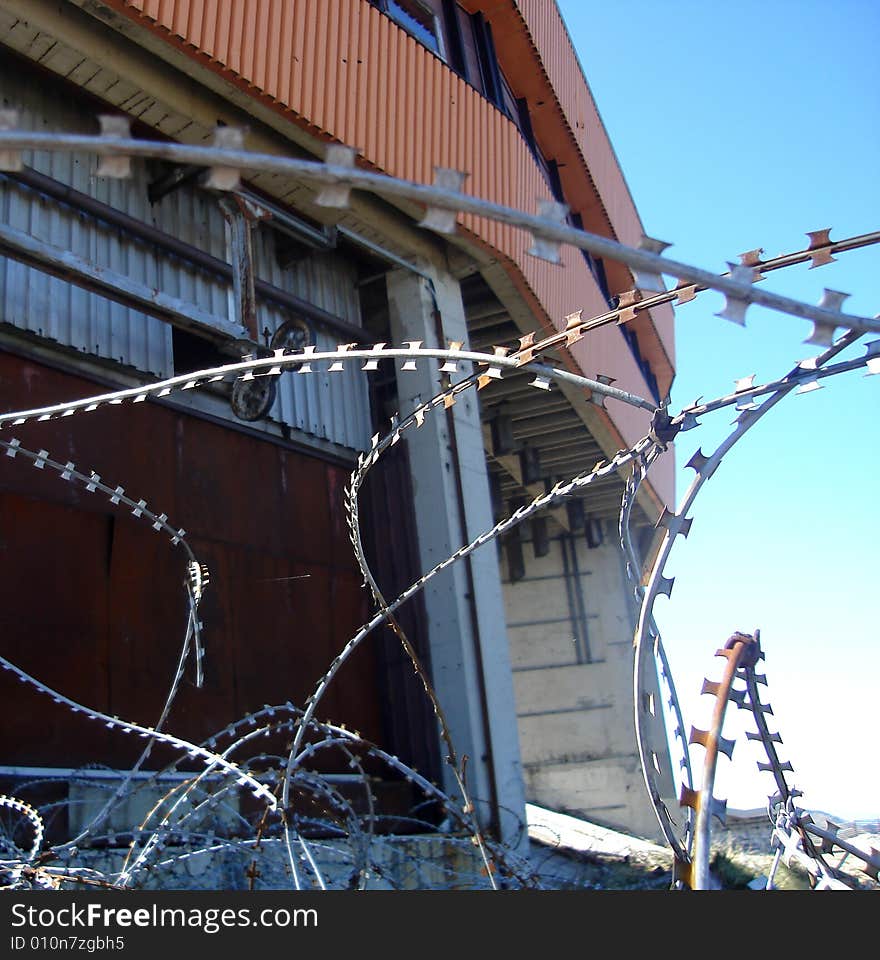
<point>794,835</point>
<point>338,845</point>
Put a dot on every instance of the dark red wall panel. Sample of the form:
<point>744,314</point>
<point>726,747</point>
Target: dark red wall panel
<point>92,599</point>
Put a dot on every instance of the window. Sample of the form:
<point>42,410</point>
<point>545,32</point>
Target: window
<point>418,18</point>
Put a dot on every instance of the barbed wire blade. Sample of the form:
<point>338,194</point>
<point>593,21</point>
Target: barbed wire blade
<point>752,258</point>
<point>225,178</point>
<point>441,219</point>
<point>684,292</point>
<point>114,126</point>
<point>338,366</point>
<point>573,329</point>
<point>664,587</point>
<point>626,306</point>
<point>872,866</point>
<point>718,809</point>
<point>450,365</point>
<point>674,523</point>
<point>645,279</point>
<point>373,363</point>
<point>785,767</point>
<point>10,159</point>
<point>526,353</point>
<point>809,385</point>
<point>543,247</point>
<point>819,248</point>
<point>697,461</point>
<point>735,307</point>
<point>599,398</point>
<point>492,373</point>
<point>755,735</point>
<point>337,194</point>
<point>410,364</point>
<point>823,333</point>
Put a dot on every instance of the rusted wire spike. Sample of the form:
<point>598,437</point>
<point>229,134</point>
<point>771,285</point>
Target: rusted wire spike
<point>492,373</point>
<point>337,194</point>
<point>440,219</point>
<point>819,248</point>
<point>752,258</point>
<point>626,309</point>
<point>684,292</point>
<point>118,166</point>
<point>573,327</point>
<point>702,737</point>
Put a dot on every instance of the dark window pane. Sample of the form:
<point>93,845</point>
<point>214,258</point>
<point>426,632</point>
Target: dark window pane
<point>416,19</point>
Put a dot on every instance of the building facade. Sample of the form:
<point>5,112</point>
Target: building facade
<point>528,642</point>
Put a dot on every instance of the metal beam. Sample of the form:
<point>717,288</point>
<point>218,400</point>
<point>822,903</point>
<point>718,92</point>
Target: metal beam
<point>84,203</point>
<point>117,287</point>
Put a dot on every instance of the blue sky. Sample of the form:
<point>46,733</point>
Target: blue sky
<point>743,126</point>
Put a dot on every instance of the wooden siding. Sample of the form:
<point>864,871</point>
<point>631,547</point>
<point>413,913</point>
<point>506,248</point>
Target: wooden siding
<point>92,601</point>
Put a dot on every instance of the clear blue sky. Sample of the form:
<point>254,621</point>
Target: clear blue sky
<point>742,126</point>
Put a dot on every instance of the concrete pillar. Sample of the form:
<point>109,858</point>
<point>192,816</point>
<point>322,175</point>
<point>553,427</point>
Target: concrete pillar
<point>571,621</point>
<point>470,660</point>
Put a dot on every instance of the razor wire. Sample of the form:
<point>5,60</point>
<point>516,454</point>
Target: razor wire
<point>794,836</point>
<point>174,817</point>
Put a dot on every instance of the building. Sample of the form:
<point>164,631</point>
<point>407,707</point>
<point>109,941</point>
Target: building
<point>530,654</point>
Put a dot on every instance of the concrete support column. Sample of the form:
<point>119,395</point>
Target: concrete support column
<point>470,660</point>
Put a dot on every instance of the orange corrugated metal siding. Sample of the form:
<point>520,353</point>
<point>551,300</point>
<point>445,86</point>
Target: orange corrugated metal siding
<point>563,69</point>
<point>349,71</point>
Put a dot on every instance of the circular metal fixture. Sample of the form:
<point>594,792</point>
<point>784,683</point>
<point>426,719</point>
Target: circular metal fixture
<point>252,398</point>
<point>293,334</point>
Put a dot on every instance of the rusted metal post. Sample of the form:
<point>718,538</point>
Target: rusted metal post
<point>241,215</point>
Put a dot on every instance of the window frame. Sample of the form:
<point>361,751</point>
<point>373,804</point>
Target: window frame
<point>437,31</point>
